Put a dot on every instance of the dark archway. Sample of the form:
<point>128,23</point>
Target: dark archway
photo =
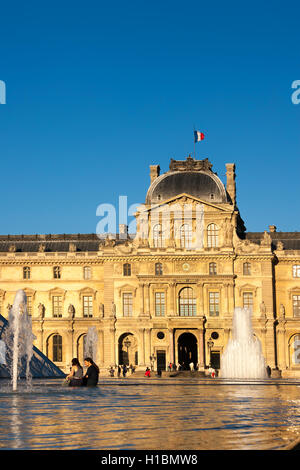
<point>128,349</point>
<point>187,350</point>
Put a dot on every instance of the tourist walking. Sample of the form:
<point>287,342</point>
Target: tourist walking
<point>76,374</point>
<point>90,379</point>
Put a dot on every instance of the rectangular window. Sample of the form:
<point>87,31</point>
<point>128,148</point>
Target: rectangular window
<point>87,306</point>
<point>159,304</point>
<point>214,303</point>
<point>29,305</point>
<point>248,300</point>
<point>296,305</point>
<point>57,306</point>
<point>296,270</point>
<point>127,304</point>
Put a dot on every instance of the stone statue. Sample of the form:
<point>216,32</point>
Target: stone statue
<point>101,310</point>
<point>12,248</point>
<point>41,310</point>
<point>228,231</point>
<point>282,310</point>
<point>71,311</point>
<point>72,247</point>
<point>9,306</point>
<point>113,309</point>
<point>263,309</point>
<point>42,248</point>
<point>266,240</point>
<point>280,246</point>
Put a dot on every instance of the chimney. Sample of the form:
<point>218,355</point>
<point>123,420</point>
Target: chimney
<point>123,231</point>
<point>154,172</point>
<point>230,186</point>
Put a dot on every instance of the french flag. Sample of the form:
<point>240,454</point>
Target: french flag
<point>198,136</point>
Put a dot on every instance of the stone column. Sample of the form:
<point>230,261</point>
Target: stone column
<point>142,308</point>
<point>147,300</point>
<point>141,346</point>
<point>200,348</point>
<point>171,311</point>
<point>171,340</point>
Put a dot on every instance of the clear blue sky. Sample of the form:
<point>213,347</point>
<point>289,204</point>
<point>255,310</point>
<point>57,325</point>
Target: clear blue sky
<point>97,91</point>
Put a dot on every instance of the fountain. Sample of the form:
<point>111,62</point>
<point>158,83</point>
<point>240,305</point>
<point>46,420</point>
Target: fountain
<point>91,343</point>
<point>243,358</point>
<point>18,340</point>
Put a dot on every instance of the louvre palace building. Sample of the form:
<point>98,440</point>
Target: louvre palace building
<point>168,293</point>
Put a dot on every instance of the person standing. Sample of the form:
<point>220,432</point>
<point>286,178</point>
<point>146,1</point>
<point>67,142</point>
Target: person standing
<point>191,366</point>
<point>91,376</point>
<point>124,370</point>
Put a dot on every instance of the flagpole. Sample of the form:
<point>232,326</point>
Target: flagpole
<point>194,145</point>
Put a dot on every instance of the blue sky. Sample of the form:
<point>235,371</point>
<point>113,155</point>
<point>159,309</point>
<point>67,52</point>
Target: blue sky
<point>98,91</point>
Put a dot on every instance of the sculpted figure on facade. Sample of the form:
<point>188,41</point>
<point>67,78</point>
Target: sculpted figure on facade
<point>41,310</point>
<point>266,240</point>
<point>282,311</point>
<point>101,310</point>
<point>227,232</point>
<point>263,309</point>
<point>71,311</point>
<point>113,309</point>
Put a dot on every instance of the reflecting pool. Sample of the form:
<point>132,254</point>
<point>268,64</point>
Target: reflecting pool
<point>165,414</point>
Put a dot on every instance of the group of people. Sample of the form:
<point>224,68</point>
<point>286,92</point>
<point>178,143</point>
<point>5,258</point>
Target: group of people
<point>77,378</point>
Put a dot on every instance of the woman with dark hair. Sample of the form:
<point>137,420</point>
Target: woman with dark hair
<point>76,374</point>
<point>91,376</point>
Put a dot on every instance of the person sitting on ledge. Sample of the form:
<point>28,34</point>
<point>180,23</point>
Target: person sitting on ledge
<point>147,373</point>
<point>75,376</point>
<point>91,376</point>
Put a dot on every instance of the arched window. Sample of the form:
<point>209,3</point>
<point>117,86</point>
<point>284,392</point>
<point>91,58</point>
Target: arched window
<point>127,269</point>
<point>187,302</point>
<point>212,269</point>
<point>185,236</point>
<point>158,269</point>
<point>157,236</point>
<point>212,236</point>
<point>247,269</point>
<point>57,348</point>
<point>295,349</point>
<point>87,272</point>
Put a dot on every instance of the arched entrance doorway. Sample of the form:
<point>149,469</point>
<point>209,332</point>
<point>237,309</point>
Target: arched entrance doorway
<point>128,350</point>
<point>187,350</point>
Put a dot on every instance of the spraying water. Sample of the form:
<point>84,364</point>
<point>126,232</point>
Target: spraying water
<point>91,343</point>
<point>18,338</point>
<point>243,358</point>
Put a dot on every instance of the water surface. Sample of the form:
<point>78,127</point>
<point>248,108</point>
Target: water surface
<point>158,414</point>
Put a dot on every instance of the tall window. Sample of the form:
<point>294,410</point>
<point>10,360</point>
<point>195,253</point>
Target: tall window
<point>159,304</point>
<point>127,304</point>
<point>247,269</point>
<point>248,300</point>
<point>87,272</point>
<point>212,236</point>
<point>87,306</point>
<point>57,348</point>
<point>158,269</point>
<point>57,306</point>
<point>296,350</point>
<point>157,236</point>
<point>212,269</point>
<point>56,272</point>
<point>26,272</point>
<point>185,236</point>
<point>126,269</point>
<point>296,270</point>
<point>214,304</point>
<point>29,304</point>
<point>296,305</point>
<point>187,302</point>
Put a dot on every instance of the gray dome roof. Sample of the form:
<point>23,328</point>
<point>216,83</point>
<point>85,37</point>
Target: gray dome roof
<point>204,185</point>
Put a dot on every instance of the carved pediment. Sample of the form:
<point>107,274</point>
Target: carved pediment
<point>87,291</point>
<point>57,291</point>
<point>127,288</point>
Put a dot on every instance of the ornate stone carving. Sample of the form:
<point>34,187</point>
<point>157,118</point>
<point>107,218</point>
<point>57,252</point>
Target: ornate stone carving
<point>190,164</point>
<point>266,240</point>
<point>282,311</point>
<point>113,312</point>
<point>227,232</point>
<point>72,247</point>
<point>41,248</point>
<point>12,248</point>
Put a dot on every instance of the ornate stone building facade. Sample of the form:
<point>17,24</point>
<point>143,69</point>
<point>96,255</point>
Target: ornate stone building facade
<point>167,294</point>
